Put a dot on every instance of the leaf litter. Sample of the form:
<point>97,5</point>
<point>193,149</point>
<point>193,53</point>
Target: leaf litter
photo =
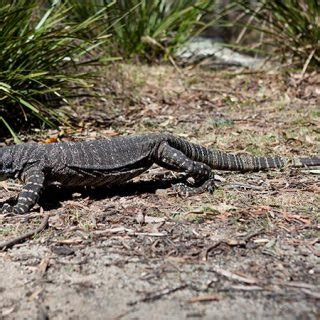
<point>253,243</point>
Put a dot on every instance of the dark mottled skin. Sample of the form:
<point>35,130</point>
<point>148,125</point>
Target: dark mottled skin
<point>114,161</point>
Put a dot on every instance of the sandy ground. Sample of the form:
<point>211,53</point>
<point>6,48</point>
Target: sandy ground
<point>250,250</point>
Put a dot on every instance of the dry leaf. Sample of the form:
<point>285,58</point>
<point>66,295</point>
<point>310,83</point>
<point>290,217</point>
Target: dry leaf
<point>50,140</point>
<point>6,311</point>
<point>43,265</point>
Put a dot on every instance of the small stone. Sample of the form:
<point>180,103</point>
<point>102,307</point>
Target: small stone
<point>161,192</point>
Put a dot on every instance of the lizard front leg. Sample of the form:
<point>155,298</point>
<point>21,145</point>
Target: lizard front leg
<point>34,182</point>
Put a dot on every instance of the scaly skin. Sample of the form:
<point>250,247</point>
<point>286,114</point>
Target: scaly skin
<point>112,162</point>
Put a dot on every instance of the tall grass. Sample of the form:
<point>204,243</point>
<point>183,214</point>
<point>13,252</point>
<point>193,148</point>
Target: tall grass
<point>44,45</point>
<point>290,27</point>
<point>146,28</point>
<point>40,60</point>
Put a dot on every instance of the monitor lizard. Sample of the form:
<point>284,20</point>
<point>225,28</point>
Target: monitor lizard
<point>110,162</point>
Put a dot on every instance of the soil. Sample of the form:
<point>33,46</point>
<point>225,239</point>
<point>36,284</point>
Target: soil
<point>250,250</point>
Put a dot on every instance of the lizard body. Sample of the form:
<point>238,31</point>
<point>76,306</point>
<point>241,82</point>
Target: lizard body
<point>113,161</point>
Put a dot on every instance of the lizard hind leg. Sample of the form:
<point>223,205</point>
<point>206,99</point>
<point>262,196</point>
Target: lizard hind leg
<point>173,159</point>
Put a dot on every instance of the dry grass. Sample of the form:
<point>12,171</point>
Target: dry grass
<point>262,113</point>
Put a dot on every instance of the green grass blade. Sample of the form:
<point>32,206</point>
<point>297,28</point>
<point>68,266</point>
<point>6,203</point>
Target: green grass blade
<point>13,134</point>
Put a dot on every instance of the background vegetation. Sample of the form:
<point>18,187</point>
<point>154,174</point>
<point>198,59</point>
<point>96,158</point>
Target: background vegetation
<point>40,59</point>
<point>289,28</point>
<point>48,49</point>
<point>142,28</point>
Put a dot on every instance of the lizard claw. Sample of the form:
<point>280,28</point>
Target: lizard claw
<point>185,191</point>
<point>6,208</point>
<point>181,189</point>
<point>209,186</point>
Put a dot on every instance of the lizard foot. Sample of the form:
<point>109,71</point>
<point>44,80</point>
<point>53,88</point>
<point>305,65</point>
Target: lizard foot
<point>7,208</point>
<point>185,191</point>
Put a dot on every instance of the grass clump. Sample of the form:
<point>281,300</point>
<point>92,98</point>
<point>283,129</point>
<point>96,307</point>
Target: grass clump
<point>290,27</point>
<point>40,57</point>
<point>45,45</point>
<point>147,29</point>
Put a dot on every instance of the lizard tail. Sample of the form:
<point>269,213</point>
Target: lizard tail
<point>236,162</point>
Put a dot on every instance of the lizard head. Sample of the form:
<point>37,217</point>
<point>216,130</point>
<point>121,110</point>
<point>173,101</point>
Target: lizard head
<point>6,162</point>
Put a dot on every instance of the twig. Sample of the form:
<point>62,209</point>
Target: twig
<point>311,293</point>
<point>120,316</point>
<point>11,242</point>
<point>232,242</point>
<point>148,234</point>
<point>245,288</point>
<point>205,298</point>
<point>306,64</point>
<point>228,242</point>
<point>111,231</point>
<point>217,90</point>
<point>244,186</point>
<point>245,28</point>
<point>253,234</point>
<point>233,276</point>
<point>151,41</point>
<point>208,249</point>
<point>301,285</point>
<point>130,232</point>
<point>155,296</point>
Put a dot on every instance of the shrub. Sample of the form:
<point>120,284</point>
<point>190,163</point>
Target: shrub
<point>40,56</point>
<point>291,27</point>
<point>145,28</point>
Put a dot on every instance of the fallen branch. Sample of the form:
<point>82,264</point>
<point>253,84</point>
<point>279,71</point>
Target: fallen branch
<point>11,242</point>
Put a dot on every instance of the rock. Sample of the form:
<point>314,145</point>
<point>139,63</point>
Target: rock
<point>199,48</point>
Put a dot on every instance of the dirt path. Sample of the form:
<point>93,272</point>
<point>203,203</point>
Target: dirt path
<point>249,251</point>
